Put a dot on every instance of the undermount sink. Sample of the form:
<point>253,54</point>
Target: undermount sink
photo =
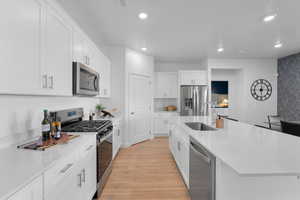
<point>198,126</point>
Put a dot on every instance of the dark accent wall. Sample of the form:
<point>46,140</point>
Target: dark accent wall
<point>289,87</point>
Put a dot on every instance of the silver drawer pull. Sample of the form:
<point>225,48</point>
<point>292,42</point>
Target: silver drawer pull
<point>83,174</point>
<point>66,168</point>
<point>80,180</point>
<point>89,148</point>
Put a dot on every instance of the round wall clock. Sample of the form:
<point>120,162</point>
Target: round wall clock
<point>261,90</point>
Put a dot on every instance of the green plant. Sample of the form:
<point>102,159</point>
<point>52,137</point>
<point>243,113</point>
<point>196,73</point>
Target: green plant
<point>99,107</point>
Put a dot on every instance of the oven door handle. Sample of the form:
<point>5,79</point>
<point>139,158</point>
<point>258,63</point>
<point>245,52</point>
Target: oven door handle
<point>107,136</point>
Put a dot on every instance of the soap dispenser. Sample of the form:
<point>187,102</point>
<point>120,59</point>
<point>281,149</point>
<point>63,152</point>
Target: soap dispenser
<point>219,122</point>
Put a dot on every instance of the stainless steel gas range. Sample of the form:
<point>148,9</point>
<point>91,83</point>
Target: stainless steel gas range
<point>72,121</point>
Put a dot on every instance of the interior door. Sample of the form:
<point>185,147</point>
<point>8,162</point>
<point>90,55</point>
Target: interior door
<point>140,95</point>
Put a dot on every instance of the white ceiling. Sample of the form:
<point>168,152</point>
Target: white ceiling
<point>193,29</point>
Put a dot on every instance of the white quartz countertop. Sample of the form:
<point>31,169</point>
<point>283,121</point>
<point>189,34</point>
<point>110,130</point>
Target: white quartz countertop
<point>19,167</point>
<point>249,150</point>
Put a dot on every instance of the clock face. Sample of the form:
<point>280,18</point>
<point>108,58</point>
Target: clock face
<point>261,90</point>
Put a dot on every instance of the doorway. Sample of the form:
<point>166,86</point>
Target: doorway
<point>140,101</point>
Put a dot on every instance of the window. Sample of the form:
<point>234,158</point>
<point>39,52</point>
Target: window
<point>219,91</point>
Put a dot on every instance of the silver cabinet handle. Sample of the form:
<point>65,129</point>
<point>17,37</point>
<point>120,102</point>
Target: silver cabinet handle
<point>132,113</point>
<point>79,180</point>
<point>45,81</point>
<point>85,60</point>
<point>51,82</point>
<point>83,175</point>
<point>89,148</point>
<point>66,168</point>
<point>118,132</point>
<point>178,146</point>
<point>170,132</point>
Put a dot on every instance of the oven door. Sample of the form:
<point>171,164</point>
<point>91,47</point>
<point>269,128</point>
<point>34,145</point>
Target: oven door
<point>105,159</point>
<point>85,80</point>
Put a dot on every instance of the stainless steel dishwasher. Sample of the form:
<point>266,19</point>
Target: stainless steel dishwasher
<point>202,172</point>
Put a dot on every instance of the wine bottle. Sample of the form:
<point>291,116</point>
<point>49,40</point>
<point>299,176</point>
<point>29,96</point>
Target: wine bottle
<point>45,127</point>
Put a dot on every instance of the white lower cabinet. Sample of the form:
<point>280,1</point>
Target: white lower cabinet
<point>33,191</point>
<point>160,126</point>
<point>179,146</point>
<point>74,177</point>
<point>117,138</point>
<point>161,122</point>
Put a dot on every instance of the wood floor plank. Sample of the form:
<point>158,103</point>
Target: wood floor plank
<point>145,171</point>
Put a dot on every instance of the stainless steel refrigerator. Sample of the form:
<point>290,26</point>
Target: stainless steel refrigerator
<point>194,100</point>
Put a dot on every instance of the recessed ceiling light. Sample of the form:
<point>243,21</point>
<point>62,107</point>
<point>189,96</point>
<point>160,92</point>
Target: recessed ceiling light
<point>220,49</point>
<point>269,18</point>
<point>143,16</point>
<point>278,45</point>
<point>144,49</point>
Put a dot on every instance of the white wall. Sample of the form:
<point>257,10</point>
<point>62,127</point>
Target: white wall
<point>135,63</point>
<point>163,66</point>
<point>125,62</point>
<point>21,115</point>
<point>252,111</point>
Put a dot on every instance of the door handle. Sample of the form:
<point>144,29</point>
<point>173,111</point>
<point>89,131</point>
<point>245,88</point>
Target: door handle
<point>178,146</point>
<point>83,175</point>
<point>132,113</point>
<point>45,81</point>
<point>80,180</point>
<point>51,82</point>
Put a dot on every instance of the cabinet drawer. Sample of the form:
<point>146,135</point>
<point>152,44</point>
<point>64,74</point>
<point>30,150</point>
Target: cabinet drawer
<point>87,146</point>
<point>58,172</point>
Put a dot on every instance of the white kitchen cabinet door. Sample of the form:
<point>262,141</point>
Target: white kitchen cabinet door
<point>105,76</point>
<point>57,54</point>
<point>20,46</point>
<point>160,126</point>
<point>78,47</point>
<point>68,188</point>
<point>33,191</point>
<point>185,159</point>
<point>89,172</point>
<point>117,140</point>
<point>193,77</point>
<point>166,85</point>
<point>179,144</point>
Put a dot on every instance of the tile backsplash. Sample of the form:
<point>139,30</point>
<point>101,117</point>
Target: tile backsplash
<point>160,104</point>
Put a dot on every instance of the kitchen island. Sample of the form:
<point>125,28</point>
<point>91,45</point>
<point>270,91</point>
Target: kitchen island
<point>251,162</point>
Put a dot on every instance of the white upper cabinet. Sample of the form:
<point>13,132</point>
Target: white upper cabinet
<point>166,85</point>
<point>78,47</point>
<point>193,77</point>
<point>20,46</point>
<point>38,44</point>
<point>57,55</point>
<point>105,75</point>
<point>83,50</point>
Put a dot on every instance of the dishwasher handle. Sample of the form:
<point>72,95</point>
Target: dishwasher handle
<point>200,153</point>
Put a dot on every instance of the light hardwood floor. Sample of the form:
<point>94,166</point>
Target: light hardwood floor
<point>145,171</point>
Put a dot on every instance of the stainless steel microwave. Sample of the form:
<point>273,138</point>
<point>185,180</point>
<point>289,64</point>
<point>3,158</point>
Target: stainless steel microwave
<point>85,80</point>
